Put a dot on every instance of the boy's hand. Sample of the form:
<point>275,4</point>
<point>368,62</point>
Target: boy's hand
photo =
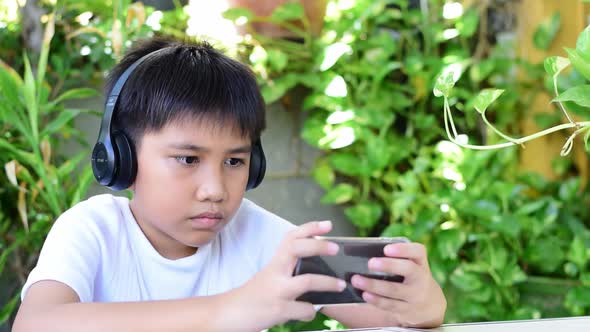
<point>269,297</point>
<point>418,300</point>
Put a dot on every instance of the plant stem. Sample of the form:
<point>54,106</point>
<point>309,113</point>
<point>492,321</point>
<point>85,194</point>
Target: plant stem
<point>559,103</point>
<point>448,118</point>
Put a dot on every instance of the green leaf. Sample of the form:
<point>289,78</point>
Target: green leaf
<point>68,167</point>
<point>57,124</point>
<point>480,71</point>
<point>577,252</point>
<point>342,193</point>
<point>568,190</point>
<point>287,12</point>
<point>579,63</point>
<point>365,214</point>
<point>10,84</point>
<point>276,89</point>
<point>332,53</point>
<point>347,163</point>
<point>511,274</point>
<point>277,59</point>
<point>583,44</point>
<point>400,203</point>
<point>84,182</point>
<point>468,23</point>
<point>324,174</point>
<point>449,241</point>
<point>545,254</point>
<point>378,153</point>
<point>485,98</point>
<point>234,14</point>
<point>555,64</point>
<point>546,32</point>
<point>446,80</point>
<point>78,93</point>
<point>23,156</point>
<point>466,281</point>
<point>578,297</point>
<point>577,94</point>
<point>30,95</point>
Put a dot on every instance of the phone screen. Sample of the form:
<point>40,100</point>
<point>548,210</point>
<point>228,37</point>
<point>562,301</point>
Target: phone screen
<point>352,258</point>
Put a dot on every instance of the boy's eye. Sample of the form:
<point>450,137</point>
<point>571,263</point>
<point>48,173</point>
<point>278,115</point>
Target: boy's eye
<point>187,160</point>
<point>234,162</point>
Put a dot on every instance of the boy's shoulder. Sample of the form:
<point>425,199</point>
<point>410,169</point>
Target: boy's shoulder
<point>251,214</point>
<point>102,212</point>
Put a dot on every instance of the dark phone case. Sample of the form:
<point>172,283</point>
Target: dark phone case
<point>352,258</point>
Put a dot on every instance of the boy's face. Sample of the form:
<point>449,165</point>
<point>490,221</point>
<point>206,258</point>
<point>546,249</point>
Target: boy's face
<point>190,181</point>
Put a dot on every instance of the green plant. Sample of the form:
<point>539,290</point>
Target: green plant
<point>366,102</point>
<point>38,182</point>
<point>577,95</point>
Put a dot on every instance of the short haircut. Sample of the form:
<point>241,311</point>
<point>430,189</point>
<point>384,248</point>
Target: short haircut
<point>191,81</point>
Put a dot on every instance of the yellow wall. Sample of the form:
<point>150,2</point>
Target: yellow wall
<point>538,154</point>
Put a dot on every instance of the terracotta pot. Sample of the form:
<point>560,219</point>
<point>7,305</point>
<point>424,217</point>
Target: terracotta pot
<point>315,11</point>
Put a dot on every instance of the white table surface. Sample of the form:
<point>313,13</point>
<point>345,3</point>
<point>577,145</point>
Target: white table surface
<point>577,324</point>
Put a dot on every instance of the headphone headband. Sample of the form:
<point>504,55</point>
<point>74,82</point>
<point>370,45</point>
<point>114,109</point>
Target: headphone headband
<point>113,98</point>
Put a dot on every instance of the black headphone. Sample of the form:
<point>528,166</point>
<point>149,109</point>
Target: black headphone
<point>114,163</point>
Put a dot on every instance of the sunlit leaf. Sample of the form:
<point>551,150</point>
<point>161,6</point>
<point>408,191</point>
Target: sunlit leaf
<point>332,53</point>
<point>10,169</point>
<point>577,94</point>
<point>581,65</point>
<point>485,98</point>
<point>446,80</point>
<point>324,175</point>
<point>342,193</point>
<point>555,64</point>
<point>583,44</point>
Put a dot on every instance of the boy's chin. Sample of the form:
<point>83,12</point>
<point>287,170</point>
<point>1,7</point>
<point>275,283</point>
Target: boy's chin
<point>201,240</point>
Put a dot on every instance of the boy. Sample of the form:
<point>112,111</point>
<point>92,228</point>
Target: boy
<point>188,252</point>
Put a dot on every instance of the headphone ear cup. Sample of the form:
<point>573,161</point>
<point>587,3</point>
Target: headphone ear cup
<point>257,166</point>
<point>126,168</point>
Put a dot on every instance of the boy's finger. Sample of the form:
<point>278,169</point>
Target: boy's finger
<point>413,251</point>
<point>294,249</point>
<point>392,290</point>
<point>310,229</point>
<point>312,247</point>
<point>387,304</point>
<point>397,266</point>
<point>315,283</point>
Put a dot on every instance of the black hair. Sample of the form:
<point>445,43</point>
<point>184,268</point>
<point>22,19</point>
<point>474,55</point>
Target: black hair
<point>190,81</point>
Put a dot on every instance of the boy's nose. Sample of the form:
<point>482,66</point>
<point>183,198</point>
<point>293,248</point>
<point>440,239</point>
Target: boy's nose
<point>211,186</point>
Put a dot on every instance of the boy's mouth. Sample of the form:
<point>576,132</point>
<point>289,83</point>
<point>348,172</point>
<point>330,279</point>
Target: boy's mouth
<point>207,220</point>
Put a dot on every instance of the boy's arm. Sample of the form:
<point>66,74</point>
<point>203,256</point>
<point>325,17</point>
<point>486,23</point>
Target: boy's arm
<point>268,299</point>
<point>53,306</point>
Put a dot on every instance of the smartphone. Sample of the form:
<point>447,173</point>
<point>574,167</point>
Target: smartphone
<point>352,258</point>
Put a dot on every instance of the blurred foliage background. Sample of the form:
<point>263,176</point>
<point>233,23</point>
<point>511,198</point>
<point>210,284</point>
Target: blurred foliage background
<point>504,244</point>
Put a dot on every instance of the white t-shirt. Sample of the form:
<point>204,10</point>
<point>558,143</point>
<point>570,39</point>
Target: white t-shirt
<point>98,250</point>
